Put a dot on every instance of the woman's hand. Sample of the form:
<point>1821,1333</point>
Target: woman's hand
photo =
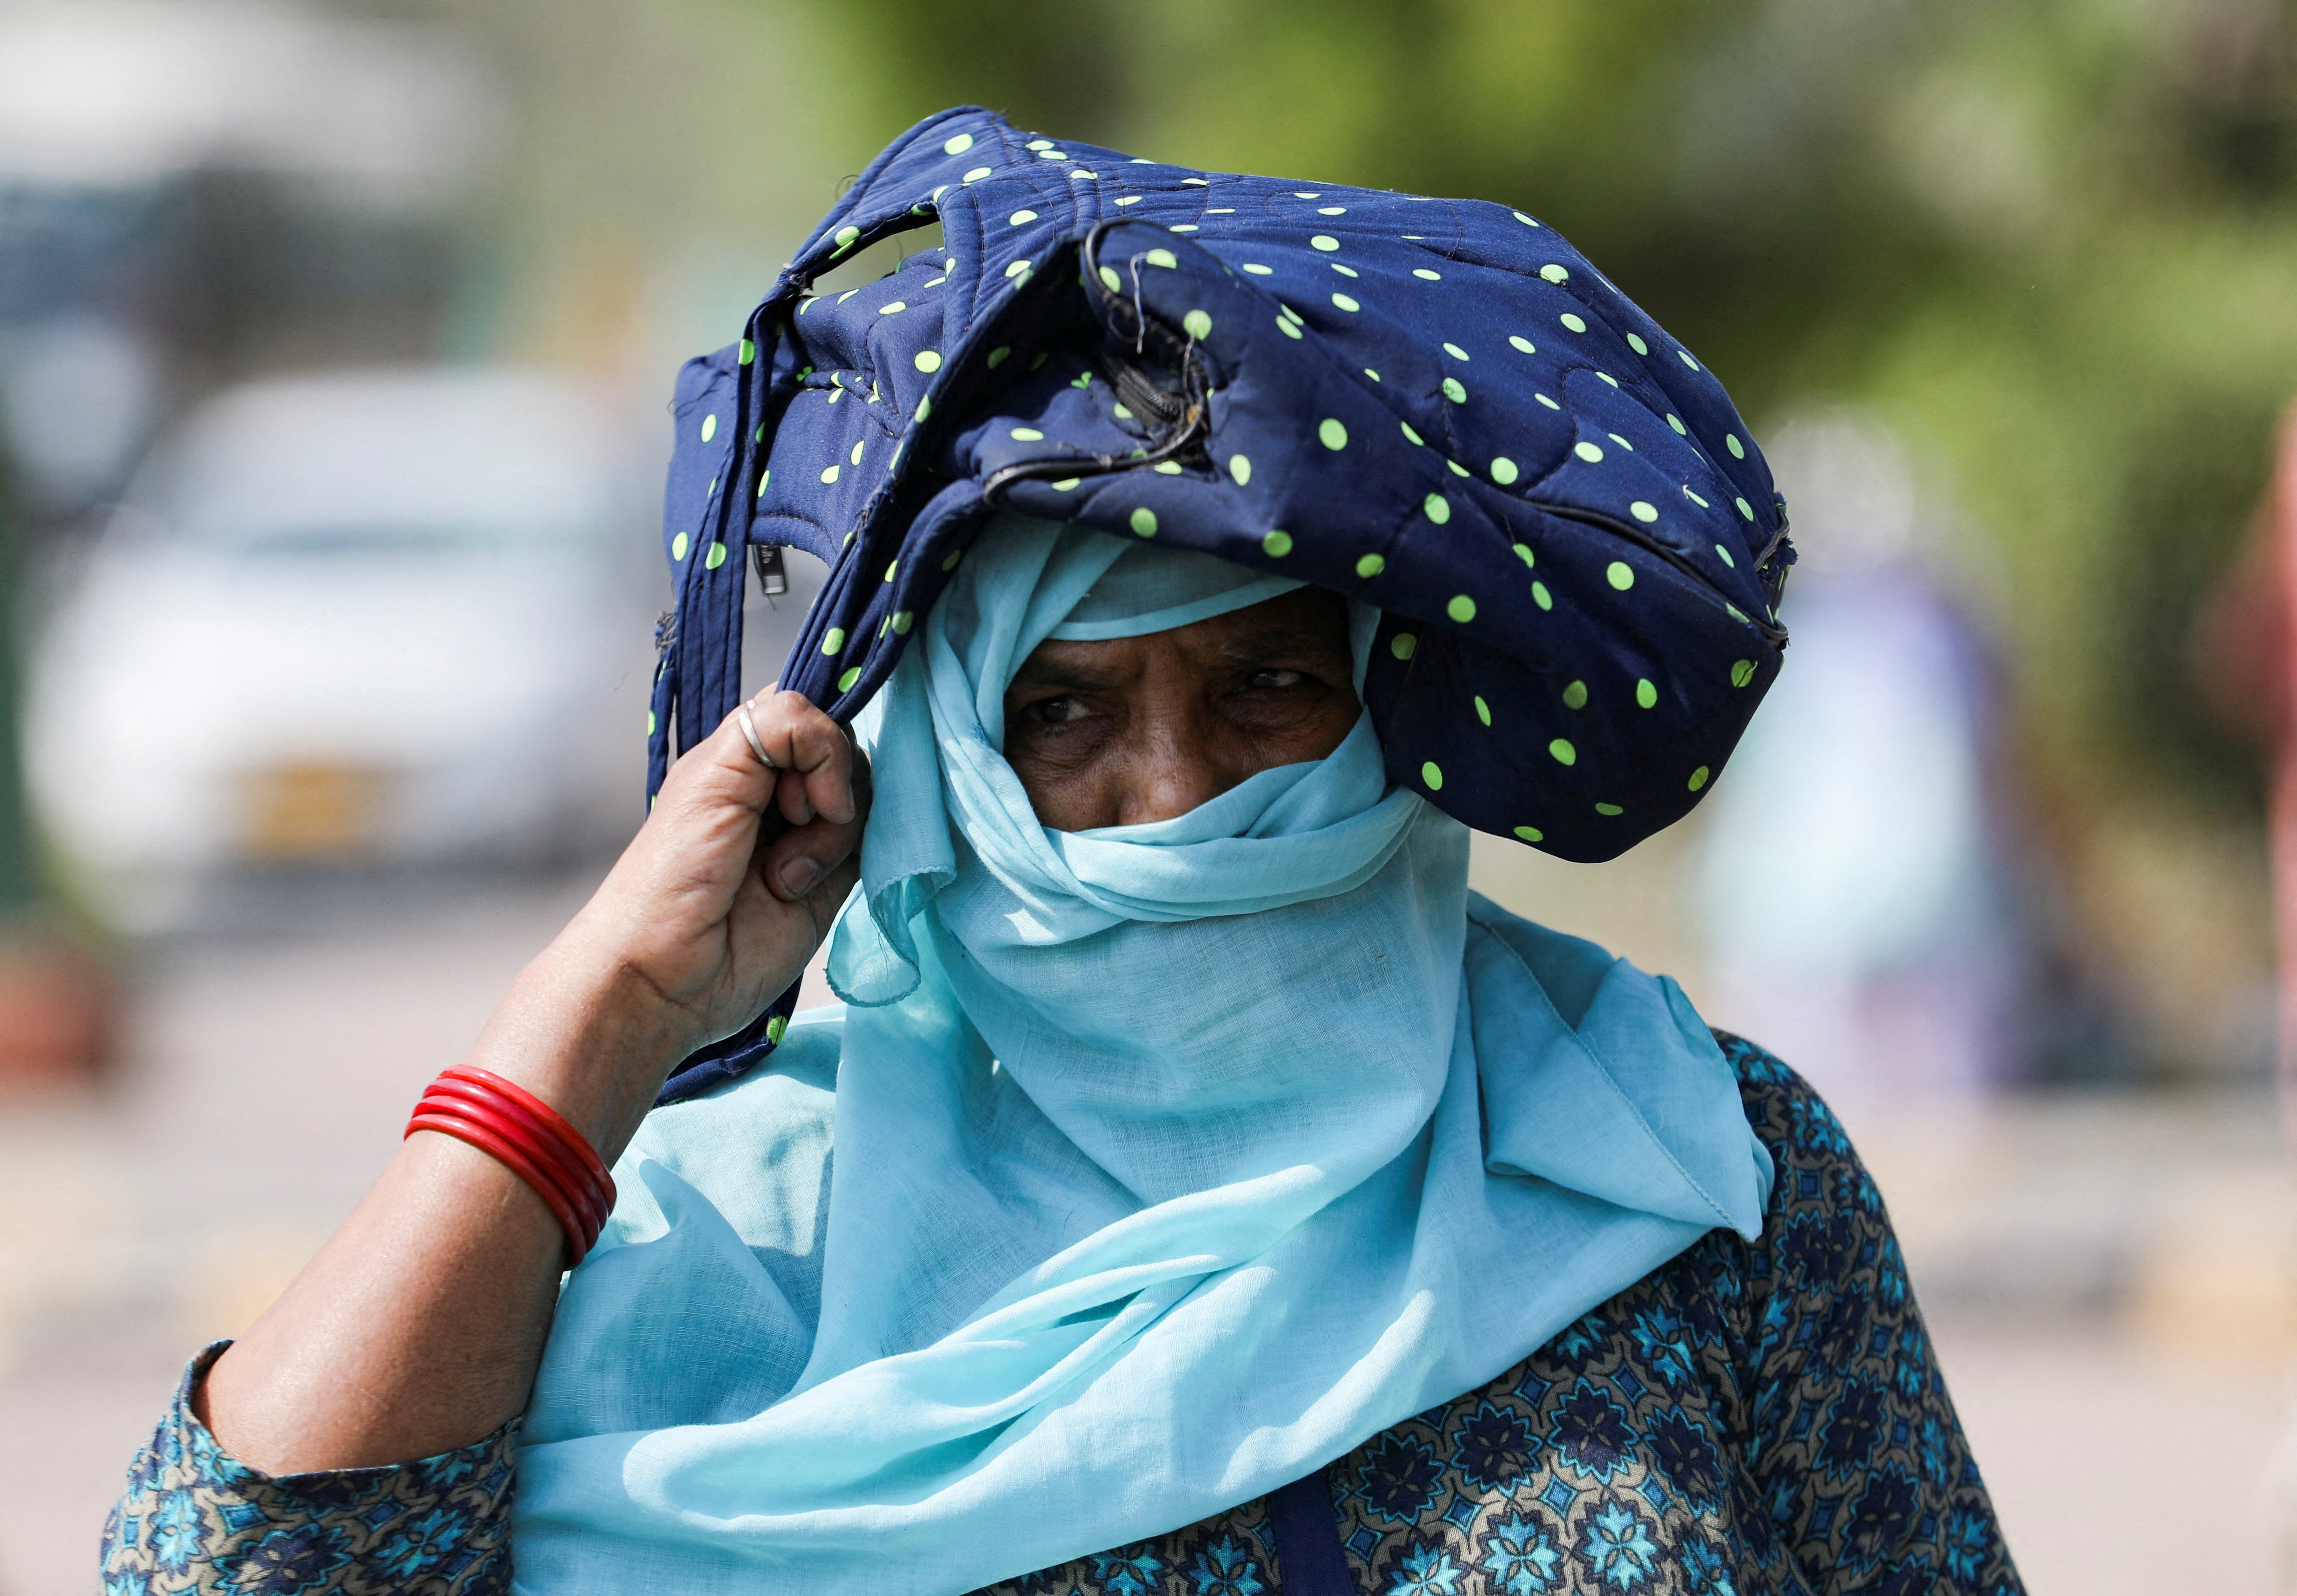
<point>734,880</point>
<point>710,914</point>
<point>420,1323</point>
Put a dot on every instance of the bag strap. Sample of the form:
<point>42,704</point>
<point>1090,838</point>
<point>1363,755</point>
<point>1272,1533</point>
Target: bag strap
<point>1310,1561</point>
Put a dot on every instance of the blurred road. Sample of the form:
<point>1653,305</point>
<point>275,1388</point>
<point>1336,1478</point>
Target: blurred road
<point>2113,1282</point>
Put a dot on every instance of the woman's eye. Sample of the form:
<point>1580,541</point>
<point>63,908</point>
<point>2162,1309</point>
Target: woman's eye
<point>1277,678</point>
<point>1056,711</point>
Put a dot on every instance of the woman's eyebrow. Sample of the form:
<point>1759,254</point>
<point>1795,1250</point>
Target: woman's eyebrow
<point>1279,638</point>
<point>1038,672</point>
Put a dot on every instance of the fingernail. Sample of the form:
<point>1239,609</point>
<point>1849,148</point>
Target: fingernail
<point>799,876</point>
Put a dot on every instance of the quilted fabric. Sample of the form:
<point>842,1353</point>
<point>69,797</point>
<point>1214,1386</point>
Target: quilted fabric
<point>1436,406</point>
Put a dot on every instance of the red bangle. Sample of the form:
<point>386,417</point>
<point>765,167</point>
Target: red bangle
<point>490,1116</point>
<point>530,1139</point>
<point>568,1137</point>
<point>517,1163</point>
<point>583,1188</point>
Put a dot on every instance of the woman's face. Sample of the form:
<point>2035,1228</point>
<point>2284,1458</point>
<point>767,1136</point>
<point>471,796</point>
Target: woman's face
<point>1128,731</point>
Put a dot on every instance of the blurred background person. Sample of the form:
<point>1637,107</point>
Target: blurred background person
<point>1859,886</point>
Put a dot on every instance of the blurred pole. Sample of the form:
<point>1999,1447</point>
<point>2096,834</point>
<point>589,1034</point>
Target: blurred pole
<point>2281,529</point>
<point>18,889</point>
<point>2279,513</point>
<point>2245,654</point>
<point>2246,657</point>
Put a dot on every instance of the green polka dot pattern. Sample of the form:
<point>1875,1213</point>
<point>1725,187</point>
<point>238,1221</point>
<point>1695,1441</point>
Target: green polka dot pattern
<point>1580,504</point>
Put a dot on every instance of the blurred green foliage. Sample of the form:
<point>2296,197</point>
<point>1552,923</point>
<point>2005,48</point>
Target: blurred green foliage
<point>2051,242</point>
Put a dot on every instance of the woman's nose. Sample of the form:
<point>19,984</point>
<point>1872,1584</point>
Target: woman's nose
<point>1170,773</point>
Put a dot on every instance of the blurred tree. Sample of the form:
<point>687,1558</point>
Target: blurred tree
<point>2050,241</point>
<point>55,996</point>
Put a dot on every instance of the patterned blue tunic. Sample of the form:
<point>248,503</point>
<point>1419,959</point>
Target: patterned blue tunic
<point>1759,1419</point>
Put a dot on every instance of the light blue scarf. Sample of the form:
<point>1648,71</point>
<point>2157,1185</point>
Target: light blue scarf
<point>1172,1161</point>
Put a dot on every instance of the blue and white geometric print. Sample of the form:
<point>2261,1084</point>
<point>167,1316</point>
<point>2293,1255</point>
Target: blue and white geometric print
<point>1436,406</point>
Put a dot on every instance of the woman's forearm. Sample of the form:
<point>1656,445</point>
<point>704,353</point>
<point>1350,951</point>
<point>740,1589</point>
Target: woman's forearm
<point>419,1325</point>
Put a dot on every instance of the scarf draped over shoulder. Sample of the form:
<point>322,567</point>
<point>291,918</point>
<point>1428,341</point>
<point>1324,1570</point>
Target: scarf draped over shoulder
<point>1143,1170</point>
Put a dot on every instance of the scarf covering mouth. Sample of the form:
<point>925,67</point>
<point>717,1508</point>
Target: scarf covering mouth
<point>1171,1162</point>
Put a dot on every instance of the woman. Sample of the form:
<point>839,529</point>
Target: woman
<point>1223,1199</point>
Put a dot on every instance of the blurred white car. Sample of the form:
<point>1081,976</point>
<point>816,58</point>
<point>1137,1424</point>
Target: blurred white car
<point>378,617</point>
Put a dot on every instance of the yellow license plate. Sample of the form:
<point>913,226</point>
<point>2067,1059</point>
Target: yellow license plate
<point>313,810</point>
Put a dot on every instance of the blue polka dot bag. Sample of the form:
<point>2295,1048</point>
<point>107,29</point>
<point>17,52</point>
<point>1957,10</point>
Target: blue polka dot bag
<point>1435,406</point>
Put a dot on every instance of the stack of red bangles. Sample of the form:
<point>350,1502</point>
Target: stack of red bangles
<point>526,1134</point>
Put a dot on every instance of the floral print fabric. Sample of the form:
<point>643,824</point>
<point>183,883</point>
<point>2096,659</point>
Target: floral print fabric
<point>1764,1418</point>
<point>196,1519</point>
